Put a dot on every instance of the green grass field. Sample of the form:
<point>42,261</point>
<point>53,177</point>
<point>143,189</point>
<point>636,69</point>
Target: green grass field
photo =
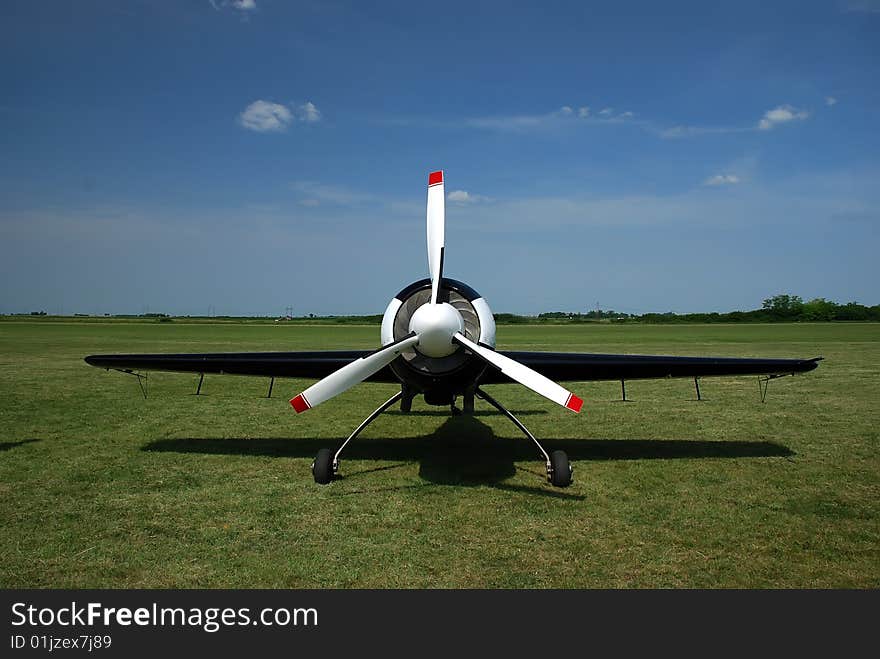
<point>101,488</point>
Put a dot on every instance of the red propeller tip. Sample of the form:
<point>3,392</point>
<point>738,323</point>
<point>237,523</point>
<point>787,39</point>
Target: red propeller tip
<point>300,404</point>
<point>435,177</point>
<point>574,403</point>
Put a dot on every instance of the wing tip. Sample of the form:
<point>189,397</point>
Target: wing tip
<point>300,404</point>
<point>435,177</point>
<point>574,403</point>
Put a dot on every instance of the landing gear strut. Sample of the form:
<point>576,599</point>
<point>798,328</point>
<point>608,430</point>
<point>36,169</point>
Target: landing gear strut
<point>326,463</point>
<point>406,399</point>
<point>558,467</point>
<point>559,471</point>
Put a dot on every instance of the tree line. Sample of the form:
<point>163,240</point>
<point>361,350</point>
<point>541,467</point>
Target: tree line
<point>779,308</point>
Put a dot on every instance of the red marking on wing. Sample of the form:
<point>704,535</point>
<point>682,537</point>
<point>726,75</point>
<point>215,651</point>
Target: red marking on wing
<point>435,177</point>
<point>300,404</point>
<point>574,403</point>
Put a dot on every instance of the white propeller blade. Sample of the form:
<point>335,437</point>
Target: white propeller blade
<point>524,375</point>
<point>349,375</point>
<point>436,231</point>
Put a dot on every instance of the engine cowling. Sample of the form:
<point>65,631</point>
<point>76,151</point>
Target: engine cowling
<point>439,377</point>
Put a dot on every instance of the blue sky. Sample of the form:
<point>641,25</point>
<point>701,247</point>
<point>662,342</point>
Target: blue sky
<point>245,156</point>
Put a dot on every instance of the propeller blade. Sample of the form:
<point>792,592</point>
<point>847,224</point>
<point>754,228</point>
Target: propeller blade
<point>523,374</point>
<point>350,374</point>
<point>436,231</point>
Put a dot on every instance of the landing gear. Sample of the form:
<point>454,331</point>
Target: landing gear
<point>467,402</point>
<point>326,464</point>
<point>322,467</point>
<point>558,468</point>
<point>559,471</point>
<point>406,399</point>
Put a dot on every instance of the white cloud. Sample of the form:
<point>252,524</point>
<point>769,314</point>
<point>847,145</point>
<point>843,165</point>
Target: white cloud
<point>753,207</point>
<point>778,115</point>
<point>240,5</point>
<point>265,117</point>
<point>693,131</point>
<point>830,100</point>
<point>308,112</point>
<point>463,197</point>
<point>517,122</point>
<point>676,131</point>
<point>522,121</point>
<point>315,194</point>
<point>863,6</point>
<point>722,179</point>
<point>559,117</point>
<point>781,115</point>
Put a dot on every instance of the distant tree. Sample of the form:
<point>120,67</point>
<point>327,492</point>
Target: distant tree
<point>784,307</point>
<point>818,309</point>
<point>855,311</point>
<point>509,319</point>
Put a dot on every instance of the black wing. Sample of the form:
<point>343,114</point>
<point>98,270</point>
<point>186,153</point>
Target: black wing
<point>558,366</point>
<point>312,365</point>
<point>576,367</point>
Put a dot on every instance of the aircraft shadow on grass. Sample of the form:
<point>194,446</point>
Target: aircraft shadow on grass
<point>5,446</point>
<point>466,451</point>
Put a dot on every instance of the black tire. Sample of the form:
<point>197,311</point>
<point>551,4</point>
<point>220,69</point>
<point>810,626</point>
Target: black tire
<point>560,476</point>
<point>322,467</point>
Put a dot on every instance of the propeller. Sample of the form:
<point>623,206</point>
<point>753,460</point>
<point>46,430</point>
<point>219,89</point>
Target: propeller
<point>350,375</point>
<point>436,328</point>
<point>523,374</point>
<point>436,231</point>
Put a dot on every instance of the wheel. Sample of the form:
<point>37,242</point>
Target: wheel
<point>560,474</point>
<point>322,467</point>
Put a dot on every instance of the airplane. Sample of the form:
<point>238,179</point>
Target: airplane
<point>438,341</point>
